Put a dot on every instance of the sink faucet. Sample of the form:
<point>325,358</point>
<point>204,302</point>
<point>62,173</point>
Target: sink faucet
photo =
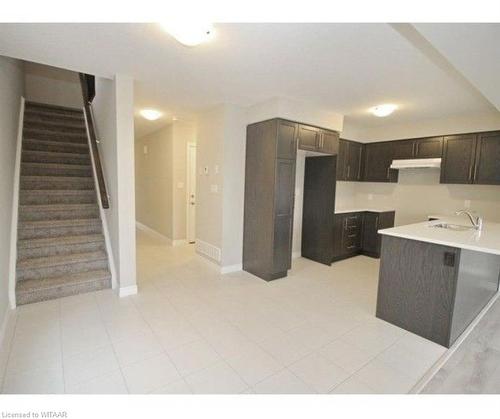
<point>477,222</point>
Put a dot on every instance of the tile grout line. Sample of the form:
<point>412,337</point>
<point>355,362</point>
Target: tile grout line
<point>111,341</point>
<point>163,349</point>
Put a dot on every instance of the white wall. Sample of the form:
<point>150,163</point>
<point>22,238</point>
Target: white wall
<point>154,181</point>
<point>52,85</point>
<point>113,110</point>
<point>12,88</point>
<point>161,176</point>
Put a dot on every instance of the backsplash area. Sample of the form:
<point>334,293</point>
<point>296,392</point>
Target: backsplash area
<point>417,194</point>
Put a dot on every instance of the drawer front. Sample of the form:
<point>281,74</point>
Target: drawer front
<point>353,220</point>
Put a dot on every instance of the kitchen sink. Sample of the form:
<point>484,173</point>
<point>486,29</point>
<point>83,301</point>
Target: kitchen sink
<point>454,227</point>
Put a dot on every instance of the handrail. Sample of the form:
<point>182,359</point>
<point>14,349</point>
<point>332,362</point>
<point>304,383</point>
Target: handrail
<point>88,93</point>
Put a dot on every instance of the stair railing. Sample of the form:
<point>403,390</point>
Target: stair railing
<point>87,83</point>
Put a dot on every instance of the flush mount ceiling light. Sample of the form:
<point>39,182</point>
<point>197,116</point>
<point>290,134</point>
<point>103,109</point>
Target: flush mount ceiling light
<point>383,110</point>
<point>189,33</point>
<point>150,114</point>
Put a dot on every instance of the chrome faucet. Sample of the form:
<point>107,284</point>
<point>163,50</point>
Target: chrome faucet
<point>477,222</point>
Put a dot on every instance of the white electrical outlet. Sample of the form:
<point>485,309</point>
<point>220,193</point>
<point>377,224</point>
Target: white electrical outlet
<point>216,169</point>
<point>370,197</point>
<point>145,149</point>
<point>214,188</point>
<point>467,203</point>
<point>180,185</point>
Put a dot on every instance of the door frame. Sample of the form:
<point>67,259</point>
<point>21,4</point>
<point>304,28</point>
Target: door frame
<point>189,183</point>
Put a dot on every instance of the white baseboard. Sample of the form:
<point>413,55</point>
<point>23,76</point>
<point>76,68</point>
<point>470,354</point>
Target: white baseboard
<point>231,268</point>
<point>149,230</point>
<point>126,291</point>
<point>296,255</point>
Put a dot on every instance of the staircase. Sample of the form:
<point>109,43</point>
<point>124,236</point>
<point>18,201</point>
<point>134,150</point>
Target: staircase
<point>60,245</point>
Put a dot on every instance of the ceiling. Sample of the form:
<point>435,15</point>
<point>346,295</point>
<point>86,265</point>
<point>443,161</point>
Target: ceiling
<point>346,68</point>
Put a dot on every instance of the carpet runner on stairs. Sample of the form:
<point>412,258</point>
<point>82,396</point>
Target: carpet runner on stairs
<point>60,246</point>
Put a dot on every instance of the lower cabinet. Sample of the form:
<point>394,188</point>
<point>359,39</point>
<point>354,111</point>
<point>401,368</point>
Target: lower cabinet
<point>356,233</point>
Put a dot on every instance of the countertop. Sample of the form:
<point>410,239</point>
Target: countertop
<point>486,241</point>
<point>362,209</point>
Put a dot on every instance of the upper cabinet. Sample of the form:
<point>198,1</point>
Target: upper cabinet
<point>457,165</point>
<point>420,148</point>
<point>349,160</point>
<point>287,139</point>
<point>428,148</point>
<point>471,158</point>
<point>487,163</point>
<point>318,140</point>
<point>377,161</point>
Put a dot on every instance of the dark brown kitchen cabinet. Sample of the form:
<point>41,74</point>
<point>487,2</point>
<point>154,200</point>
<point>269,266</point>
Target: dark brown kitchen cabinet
<point>269,198</point>
<point>357,233</point>
<point>377,161</point>
<point>458,161</point>
<point>374,221</point>
<point>347,234</point>
<point>428,148</point>
<point>349,160</point>
<point>318,207</point>
<point>317,140</point>
<point>403,149</point>
<point>487,161</point>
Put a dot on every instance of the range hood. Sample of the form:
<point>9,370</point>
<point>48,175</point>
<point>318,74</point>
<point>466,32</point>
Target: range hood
<point>415,163</point>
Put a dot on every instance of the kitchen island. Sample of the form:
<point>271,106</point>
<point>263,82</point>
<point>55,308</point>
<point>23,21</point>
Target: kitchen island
<point>435,277</point>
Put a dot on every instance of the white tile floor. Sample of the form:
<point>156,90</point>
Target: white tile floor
<point>192,330</point>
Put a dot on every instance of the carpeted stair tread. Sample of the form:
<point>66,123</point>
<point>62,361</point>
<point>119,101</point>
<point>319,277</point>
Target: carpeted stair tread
<point>55,146</point>
<point>35,156</point>
<point>40,133</point>
<point>48,261</point>
<point>49,107</point>
<point>59,223</point>
<point>76,126</point>
<point>56,169</point>
<point>35,290</point>
<point>61,240</point>
<point>57,182</point>
<point>57,207</point>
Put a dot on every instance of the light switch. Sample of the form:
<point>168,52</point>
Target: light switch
<point>145,149</point>
<point>216,169</point>
<point>214,188</point>
<point>180,185</point>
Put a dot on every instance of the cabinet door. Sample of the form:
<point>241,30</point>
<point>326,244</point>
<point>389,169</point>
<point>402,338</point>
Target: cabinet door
<point>283,214</point>
<point>309,137</point>
<point>354,159</point>
<point>404,149</point>
<point>429,148</point>
<point>378,158</point>
<point>458,159</point>
<point>371,239</point>
<point>328,142</point>
<point>338,232</point>
<point>342,160</point>
<point>287,140</point>
<point>487,168</point>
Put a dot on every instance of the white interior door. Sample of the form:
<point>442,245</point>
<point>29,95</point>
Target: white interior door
<point>191,192</point>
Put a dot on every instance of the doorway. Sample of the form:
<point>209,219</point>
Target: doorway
<point>191,193</point>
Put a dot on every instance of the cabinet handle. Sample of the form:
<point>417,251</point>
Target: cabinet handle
<point>351,247</point>
<point>470,172</point>
<point>416,149</point>
<point>376,223</point>
<point>348,170</point>
<point>388,168</point>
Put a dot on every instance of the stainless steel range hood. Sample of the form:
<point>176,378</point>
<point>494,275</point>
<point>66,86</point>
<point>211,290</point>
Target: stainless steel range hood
<point>416,163</point>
